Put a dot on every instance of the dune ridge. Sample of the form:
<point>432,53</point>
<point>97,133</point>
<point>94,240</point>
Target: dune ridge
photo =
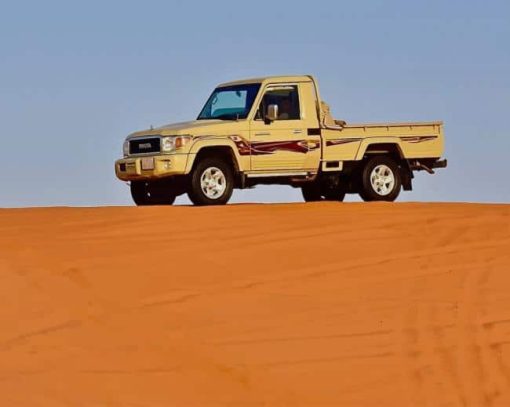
<point>294,304</point>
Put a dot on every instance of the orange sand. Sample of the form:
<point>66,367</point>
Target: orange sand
<point>302,304</point>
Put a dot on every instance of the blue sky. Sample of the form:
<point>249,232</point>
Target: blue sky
<point>77,77</point>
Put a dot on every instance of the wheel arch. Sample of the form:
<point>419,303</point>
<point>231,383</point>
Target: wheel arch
<point>215,147</point>
<point>391,147</point>
<point>380,146</point>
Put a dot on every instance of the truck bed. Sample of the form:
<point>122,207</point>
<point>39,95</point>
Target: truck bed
<point>414,139</point>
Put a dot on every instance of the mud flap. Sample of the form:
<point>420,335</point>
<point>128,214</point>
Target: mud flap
<point>407,177</point>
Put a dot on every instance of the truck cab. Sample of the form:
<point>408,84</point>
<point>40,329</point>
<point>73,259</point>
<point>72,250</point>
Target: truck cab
<point>275,130</point>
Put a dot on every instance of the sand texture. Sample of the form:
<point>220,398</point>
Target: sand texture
<point>285,305</point>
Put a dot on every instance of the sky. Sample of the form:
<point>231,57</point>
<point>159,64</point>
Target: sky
<point>77,77</point>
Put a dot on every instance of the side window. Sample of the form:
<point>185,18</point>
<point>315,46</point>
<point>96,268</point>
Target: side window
<point>287,100</point>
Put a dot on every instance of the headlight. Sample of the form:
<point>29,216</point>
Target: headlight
<point>172,143</point>
<point>167,144</point>
<point>125,148</point>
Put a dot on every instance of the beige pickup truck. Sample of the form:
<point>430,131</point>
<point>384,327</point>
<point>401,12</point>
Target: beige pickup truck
<point>276,130</point>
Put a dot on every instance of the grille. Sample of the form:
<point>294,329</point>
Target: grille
<point>145,145</point>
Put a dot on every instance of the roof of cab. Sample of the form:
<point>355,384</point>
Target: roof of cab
<point>272,79</point>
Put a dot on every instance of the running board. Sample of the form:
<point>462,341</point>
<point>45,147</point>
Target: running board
<point>278,174</point>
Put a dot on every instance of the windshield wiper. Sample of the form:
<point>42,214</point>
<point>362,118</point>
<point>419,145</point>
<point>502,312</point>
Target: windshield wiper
<point>225,116</point>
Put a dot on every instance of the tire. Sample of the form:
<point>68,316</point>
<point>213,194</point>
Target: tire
<point>338,195</point>
<point>314,192</point>
<point>311,192</point>
<point>148,193</point>
<point>381,179</point>
<point>212,182</point>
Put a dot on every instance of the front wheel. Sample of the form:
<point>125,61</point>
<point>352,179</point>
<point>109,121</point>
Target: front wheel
<point>145,193</point>
<point>212,182</point>
<point>380,179</point>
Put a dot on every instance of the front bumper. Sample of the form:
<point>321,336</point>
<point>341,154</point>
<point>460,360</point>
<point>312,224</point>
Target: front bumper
<point>156,166</point>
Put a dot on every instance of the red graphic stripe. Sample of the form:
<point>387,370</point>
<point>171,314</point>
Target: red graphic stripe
<point>340,141</point>
<point>269,147</point>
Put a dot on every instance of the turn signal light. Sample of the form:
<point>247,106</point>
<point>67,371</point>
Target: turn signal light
<point>181,141</point>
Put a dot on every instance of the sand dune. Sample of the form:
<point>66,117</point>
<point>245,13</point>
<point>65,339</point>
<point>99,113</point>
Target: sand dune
<point>303,304</point>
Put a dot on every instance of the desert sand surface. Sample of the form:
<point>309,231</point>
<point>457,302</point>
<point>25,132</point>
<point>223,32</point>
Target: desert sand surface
<point>285,305</point>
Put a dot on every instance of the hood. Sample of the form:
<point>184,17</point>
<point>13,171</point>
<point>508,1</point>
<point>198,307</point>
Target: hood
<point>194,128</point>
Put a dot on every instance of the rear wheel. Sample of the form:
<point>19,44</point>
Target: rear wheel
<point>145,193</point>
<point>315,192</point>
<point>380,180</point>
<point>212,182</point>
<point>311,192</point>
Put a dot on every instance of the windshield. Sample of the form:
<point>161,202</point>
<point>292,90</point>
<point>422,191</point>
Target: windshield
<point>230,102</point>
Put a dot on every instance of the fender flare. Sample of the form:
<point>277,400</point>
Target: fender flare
<point>366,143</point>
<point>203,142</point>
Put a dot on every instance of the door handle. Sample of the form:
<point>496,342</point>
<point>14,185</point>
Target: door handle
<point>297,131</point>
<point>263,134</point>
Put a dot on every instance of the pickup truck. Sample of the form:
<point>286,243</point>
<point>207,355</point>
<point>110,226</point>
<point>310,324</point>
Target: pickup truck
<point>276,130</point>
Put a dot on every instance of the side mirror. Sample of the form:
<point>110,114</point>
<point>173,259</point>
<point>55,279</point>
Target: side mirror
<point>272,113</point>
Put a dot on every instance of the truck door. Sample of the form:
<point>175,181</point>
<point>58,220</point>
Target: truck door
<point>283,144</point>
